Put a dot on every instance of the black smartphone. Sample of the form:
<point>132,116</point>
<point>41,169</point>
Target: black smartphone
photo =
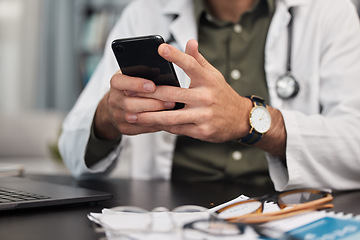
<point>139,57</point>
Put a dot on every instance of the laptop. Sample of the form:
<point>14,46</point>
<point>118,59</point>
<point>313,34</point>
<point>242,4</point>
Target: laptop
<point>21,193</point>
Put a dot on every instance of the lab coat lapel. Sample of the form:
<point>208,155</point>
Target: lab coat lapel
<point>281,19</point>
<point>278,24</point>
<point>183,27</point>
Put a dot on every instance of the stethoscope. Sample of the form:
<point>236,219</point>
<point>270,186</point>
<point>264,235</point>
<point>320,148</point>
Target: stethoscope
<point>286,86</point>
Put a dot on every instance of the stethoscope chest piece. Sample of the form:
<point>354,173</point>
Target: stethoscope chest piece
<point>286,86</point>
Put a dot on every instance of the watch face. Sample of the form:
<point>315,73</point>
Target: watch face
<point>260,119</point>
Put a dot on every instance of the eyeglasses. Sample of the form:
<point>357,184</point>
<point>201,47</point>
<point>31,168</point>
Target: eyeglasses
<point>290,203</point>
<point>131,220</point>
<point>189,222</point>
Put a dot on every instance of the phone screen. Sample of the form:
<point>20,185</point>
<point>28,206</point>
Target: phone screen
<point>139,57</point>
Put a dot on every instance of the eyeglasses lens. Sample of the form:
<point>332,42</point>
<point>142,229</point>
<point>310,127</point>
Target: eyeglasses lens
<point>189,209</point>
<point>290,199</point>
<point>202,229</point>
<point>240,209</point>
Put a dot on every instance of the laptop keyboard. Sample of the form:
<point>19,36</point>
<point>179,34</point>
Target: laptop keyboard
<point>9,195</point>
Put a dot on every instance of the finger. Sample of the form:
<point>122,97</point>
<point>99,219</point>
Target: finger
<point>139,104</point>
<point>132,129</point>
<point>167,118</point>
<point>175,94</point>
<point>192,50</point>
<point>185,61</point>
<point>119,100</point>
<point>124,127</point>
<point>123,82</point>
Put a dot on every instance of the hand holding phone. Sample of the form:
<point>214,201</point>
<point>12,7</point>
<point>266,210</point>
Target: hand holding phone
<point>139,57</point>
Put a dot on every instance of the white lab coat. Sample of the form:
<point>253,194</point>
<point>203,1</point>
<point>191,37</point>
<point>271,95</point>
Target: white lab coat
<point>322,121</point>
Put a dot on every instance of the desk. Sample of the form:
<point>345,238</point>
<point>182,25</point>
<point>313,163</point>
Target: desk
<point>70,222</point>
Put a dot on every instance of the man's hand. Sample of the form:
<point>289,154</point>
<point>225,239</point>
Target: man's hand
<point>213,110</point>
<point>115,112</point>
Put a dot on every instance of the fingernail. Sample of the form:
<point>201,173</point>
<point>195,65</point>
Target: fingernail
<point>129,93</point>
<point>166,50</point>
<point>132,118</point>
<point>148,87</point>
<point>169,104</point>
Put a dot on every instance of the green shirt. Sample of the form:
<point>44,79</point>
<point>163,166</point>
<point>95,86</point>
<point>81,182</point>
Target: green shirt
<point>237,51</point>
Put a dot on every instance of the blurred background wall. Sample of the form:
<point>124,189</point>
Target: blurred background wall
<point>48,50</point>
<point>19,26</point>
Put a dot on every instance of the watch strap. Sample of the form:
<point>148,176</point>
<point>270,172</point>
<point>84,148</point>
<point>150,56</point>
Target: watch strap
<point>257,101</point>
<point>252,138</point>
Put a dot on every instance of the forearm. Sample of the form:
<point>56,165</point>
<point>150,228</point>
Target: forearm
<point>104,128</point>
<point>274,141</point>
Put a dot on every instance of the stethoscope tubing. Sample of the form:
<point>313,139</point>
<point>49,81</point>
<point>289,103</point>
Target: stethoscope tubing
<point>290,79</point>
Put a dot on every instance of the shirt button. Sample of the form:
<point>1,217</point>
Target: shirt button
<point>236,155</point>
<point>235,74</point>
<point>237,28</point>
<point>209,17</point>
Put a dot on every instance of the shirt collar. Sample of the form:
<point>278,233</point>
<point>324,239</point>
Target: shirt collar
<point>200,8</point>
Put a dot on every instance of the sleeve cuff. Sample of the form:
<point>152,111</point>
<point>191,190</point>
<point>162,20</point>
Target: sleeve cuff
<point>97,148</point>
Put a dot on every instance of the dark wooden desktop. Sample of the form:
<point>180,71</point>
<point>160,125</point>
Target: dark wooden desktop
<point>70,222</point>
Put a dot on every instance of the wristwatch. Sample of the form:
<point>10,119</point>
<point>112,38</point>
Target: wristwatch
<point>260,121</point>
